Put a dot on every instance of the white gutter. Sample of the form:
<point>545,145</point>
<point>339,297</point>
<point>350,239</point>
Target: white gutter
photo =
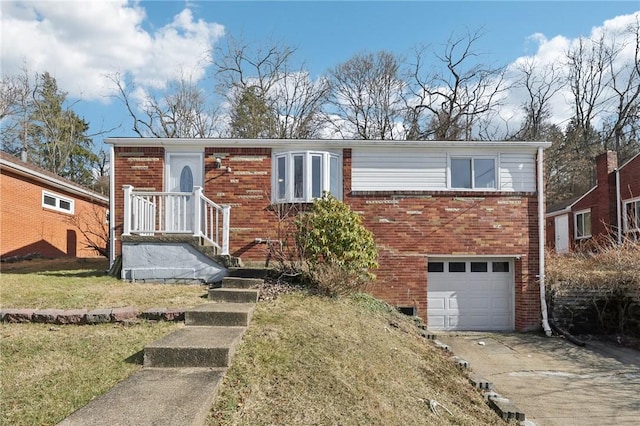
<point>112,198</point>
<point>335,143</point>
<point>618,206</point>
<point>541,242</point>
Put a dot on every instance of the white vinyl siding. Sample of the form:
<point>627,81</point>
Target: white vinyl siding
<point>386,169</point>
<point>408,170</point>
<point>517,172</point>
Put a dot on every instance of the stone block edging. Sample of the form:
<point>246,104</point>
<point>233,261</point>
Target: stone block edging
<point>85,316</point>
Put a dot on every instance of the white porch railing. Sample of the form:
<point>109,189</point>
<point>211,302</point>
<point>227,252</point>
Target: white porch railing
<point>148,213</point>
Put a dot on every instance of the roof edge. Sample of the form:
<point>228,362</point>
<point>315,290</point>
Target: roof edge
<point>347,143</point>
<point>56,182</point>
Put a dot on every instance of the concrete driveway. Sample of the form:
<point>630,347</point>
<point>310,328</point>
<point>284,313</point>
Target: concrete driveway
<point>553,381</point>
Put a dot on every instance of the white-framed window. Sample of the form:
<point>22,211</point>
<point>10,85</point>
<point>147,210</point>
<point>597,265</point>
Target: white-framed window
<point>476,172</point>
<point>582,224</point>
<point>631,212</point>
<point>301,176</point>
<point>57,202</point>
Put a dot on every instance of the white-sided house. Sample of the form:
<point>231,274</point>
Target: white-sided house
<point>458,225</point>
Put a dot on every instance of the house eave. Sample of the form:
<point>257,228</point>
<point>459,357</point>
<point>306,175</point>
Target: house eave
<point>568,208</point>
<point>330,143</point>
<point>56,183</point>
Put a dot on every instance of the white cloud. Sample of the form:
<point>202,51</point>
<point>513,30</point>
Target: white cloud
<point>81,42</point>
<point>552,51</point>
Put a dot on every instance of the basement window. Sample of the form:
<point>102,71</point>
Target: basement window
<point>302,176</point>
<point>57,202</point>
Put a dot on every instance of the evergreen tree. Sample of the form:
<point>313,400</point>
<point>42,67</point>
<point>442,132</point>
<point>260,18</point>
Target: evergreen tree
<point>58,139</point>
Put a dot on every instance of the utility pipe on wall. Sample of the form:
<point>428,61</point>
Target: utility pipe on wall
<point>541,242</point>
<point>618,207</point>
<point>112,214</point>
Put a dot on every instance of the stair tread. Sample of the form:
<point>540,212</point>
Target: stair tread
<point>201,337</point>
<point>235,290</point>
<point>166,396</point>
<point>223,307</point>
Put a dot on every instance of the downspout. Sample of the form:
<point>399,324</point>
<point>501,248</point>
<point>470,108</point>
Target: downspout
<point>541,242</point>
<point>618,206</point>
<point>112,217</point>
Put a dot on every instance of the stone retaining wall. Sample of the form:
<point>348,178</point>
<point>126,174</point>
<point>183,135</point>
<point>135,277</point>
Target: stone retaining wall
<point>573,309</point>
<point>84,316</point>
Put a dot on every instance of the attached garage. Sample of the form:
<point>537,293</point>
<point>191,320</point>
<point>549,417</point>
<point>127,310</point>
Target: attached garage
<point>470,294</point>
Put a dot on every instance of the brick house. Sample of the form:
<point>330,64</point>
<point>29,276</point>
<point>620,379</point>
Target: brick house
<point>458,225</point>
<point>43,213</point>
<point>611,209</point>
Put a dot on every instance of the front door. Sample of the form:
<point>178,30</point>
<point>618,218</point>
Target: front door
<point>562,233</point>
<point>184,171</point>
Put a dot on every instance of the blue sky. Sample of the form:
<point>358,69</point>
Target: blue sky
<point>79,42</point>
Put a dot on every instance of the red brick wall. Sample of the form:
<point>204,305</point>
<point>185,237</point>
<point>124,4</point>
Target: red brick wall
<point>407,226</point>
<point>630,179</point>
<point>247,189</point>
<point>141,167</point>
<point>27,227</point>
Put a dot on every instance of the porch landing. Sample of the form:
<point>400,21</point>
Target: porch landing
<point>172,259</point>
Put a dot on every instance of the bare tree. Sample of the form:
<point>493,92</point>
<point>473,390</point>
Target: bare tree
<point>452,99</point>
<point>621,128</point>
<point>15,107</point>
<point>299,104</point>
<point>288,103</point>
<point>183,110</point>
<point>367,95</point>
<point>587,79</point>
<point>541,83</point>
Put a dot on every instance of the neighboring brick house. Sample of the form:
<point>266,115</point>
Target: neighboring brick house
<point>458,225</point>
<point>611,209</point>
<point>43,213</point>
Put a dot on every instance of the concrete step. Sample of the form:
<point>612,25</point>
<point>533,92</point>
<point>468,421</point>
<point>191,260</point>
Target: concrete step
<point>194,347</point>
<point>249,272</point>
<point>154,396</point>
<point>241,282</point>
<point>233,295</point>
<point>220,314</point>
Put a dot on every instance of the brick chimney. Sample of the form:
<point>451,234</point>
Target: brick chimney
<point>605,209</point>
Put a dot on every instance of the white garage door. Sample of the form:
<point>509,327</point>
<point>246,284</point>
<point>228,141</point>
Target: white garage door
<point>470,294</point>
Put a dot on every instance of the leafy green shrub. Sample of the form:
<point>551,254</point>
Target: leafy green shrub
<point>338,249</point>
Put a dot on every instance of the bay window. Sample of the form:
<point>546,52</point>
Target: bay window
<point>301,176</point>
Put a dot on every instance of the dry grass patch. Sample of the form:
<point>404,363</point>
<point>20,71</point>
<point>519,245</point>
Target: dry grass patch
<point>352,361</point>
<point>49,372</point>
<point>81,283</point>
<point>605,265</point>
<point>597,291</point>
